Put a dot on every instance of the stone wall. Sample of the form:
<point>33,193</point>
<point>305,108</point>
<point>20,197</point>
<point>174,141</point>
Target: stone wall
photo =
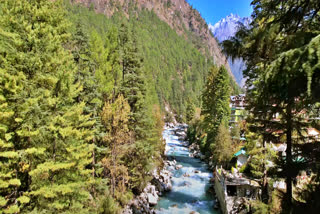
<point>220,192</point>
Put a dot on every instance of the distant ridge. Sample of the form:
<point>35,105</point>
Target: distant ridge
<point>227,27</point>
<point>223,30</point>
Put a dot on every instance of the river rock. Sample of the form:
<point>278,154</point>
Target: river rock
<point>178,166</point>
<point>196,171</point>
<point>168,187</point>
<point>127,210</point>
<point>194,212</point>
<point>152,199</point>
<point>185,183</point>
<point>186,175</point>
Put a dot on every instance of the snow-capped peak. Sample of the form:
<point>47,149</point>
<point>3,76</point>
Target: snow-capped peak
<point>228,26</point>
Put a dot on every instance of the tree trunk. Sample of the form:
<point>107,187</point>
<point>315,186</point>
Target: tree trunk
<point>289,156</point>
<point>265,196</point>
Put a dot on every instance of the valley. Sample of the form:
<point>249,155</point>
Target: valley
<point>135,107</point>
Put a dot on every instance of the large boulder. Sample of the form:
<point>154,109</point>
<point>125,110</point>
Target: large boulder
<point>153,200</point>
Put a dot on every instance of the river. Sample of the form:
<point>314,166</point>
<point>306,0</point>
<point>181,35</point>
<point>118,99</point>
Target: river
<point>190,184</point>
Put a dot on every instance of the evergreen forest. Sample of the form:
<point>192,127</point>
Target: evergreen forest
<point>85,98</point>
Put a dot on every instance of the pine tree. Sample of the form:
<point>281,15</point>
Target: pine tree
<point>102,68</point>
<point>115,117</point>
<point>10,86</point>
<point>216,97</point>
<point>280,50</point>
<point>190,111</point>
<point>222,148</point>
<point>48,128</point>
<point>133,82</point>
<point>144,153</point>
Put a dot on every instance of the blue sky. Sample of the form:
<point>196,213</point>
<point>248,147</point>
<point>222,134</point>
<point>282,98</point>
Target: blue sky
<point>214,10</point>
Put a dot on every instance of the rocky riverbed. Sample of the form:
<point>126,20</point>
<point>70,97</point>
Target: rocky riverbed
<point>191,188</point>
<point>146,201</point>
<point>182,186</point>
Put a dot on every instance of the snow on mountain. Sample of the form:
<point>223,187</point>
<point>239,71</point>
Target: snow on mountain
<point>226,28</point>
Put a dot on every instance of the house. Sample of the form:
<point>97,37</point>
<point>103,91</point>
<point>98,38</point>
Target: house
<point>313,134</point>
<point>242,157</point>
<point>237,100</point>
<point>237,106</point>
<point>234,190</point>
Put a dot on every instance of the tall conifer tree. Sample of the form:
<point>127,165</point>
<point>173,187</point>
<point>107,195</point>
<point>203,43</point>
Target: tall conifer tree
<point>48,129</point>
<point>216,108</point>
<point>280,49</point>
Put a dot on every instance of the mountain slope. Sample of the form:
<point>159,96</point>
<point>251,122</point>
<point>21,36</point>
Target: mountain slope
<point>223,30</point>
<point>176,56</point>
<point>178,14</point>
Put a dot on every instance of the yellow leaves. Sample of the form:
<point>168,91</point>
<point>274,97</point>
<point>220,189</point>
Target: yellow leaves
<point>270,19</point>
<point>14,182</point>
<point>55,190</point>
<point>8,136</point>
<point>9,154</point>
<point>23,199</point>
<point>66,132</point>
<point>3,201</point>
<point>44,192</point>
<point>5,115</point>
<point>51,166</point>
<point>3,184</point>
<point>18,120</point>
<point>52,101</point>
<point>5,145</point>
<point>35,151</point>
<point>2,98</point>
<point>10,182</point>
<point>117,113</point>
<point>24,167</point>
<point>12,209</point>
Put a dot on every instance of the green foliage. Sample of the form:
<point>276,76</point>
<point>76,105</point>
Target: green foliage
<point>190,112</point>
<point>222,148</point>
<point>50,130</point>
<point>100,56</point>
<point>260,208</point>
<point>216,97</point>
<point>80,95</point>
<point>281,50</point>
<point>174,66</point>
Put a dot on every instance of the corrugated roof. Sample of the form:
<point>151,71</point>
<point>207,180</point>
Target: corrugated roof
<point>240,152</point>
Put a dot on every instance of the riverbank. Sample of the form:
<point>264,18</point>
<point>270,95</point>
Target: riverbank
<point>184,185</point>
<point>159,185</point>
<point>191,188</point>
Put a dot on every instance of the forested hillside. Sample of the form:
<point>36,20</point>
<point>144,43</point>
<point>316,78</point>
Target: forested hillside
<point>82,100</point>
<point>174,67</point>
<point>178,14</point>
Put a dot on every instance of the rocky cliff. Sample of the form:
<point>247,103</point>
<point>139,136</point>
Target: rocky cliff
<point>178,14</point>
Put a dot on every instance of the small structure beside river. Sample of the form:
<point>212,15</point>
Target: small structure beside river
<point>234,191</point>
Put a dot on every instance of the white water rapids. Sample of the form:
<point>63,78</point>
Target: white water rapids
<point>190,184</point>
